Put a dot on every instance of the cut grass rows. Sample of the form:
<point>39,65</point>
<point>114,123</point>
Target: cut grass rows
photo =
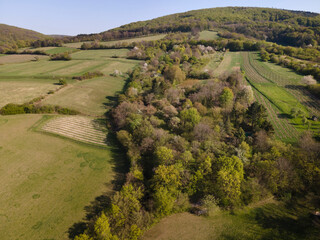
<point>283,130</point>
<point>296,89</point>
<point>77,128</point>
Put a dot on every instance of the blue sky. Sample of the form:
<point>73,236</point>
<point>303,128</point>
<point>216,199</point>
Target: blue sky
<point>73,17</point>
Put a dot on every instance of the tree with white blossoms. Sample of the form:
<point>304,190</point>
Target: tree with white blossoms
<point>309,80</point>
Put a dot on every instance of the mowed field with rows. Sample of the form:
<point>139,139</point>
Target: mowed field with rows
<point>79,128</point>
<point>280,90</point>
<point>46,180</point>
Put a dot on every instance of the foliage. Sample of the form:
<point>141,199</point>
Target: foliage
<point>89,75</point>
<point>12,109</point>
<point>61,56</point>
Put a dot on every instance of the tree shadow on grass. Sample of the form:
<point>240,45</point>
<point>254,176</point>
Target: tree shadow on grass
<point>120,168</point>
<point>286,222</point>
<point>284,116</point>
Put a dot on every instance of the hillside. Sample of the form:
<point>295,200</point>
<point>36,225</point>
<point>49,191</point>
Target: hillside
<point>13,37</point>
<point>294,28</point>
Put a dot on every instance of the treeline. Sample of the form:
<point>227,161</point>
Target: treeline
<point>203,143</point>
<point>277,56</point>
<point>88,75</point>
<point>12,109</point>
<point>36,52</point>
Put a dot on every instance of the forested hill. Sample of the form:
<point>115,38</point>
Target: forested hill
<point>294,28</point>
<point>13,37</point>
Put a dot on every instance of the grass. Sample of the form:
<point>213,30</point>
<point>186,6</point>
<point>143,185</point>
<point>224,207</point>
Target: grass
<point>215,60</point>
<point>47,181</point>
<point>91,60</point>
<point>230,60</point>
<point>21,90</point>
<point>59,50</point>
<point>18,58</point>
<point>208,35</point>
<point>87,96</point>
<point>100,54</point>
<point>279,90</point>
<point>268,221</point>
<point>131,40</point>
<point>24,81</point>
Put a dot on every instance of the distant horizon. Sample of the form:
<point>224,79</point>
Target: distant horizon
<point>73,18</point>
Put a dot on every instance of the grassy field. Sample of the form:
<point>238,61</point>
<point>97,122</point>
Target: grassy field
<point>215,60</point>
<point>60,50</point>
<point>268,221</point>
<point>22,82</point>
<point>87,96</point>
<point>279,90</point>
<point>230,60</point>
<point>84,61</point>
<point>131,40</point>
<point>208,35</point>
<point>46,181</point>
<point>18,58</point>
<point>21,90</point>
<point>99,54</point>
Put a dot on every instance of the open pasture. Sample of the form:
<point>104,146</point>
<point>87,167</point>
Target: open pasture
<point>208,35</point>
<point>18,58</point>
<point>130,40</point>
<point>21,90</point>
<point>80,128</point>
<point>46,181</point>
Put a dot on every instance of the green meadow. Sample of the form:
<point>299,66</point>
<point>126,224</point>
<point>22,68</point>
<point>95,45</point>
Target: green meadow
<point>47,181</point>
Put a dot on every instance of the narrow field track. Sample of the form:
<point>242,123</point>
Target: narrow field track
<point>78,128</point>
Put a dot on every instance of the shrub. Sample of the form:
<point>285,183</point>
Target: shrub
<point>62,82</point>
<point>89,75</point>
<point>60,56</point>
<point>12,109</point>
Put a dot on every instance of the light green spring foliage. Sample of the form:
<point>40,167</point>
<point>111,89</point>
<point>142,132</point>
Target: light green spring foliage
<point>83,236</point>
<point>163,202</point>
<point>229,178</point>
<point>102,228</point>
<point>226,97</point>
<point>189,117</point>
<point>164,155</point>
<point>167,176</point>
